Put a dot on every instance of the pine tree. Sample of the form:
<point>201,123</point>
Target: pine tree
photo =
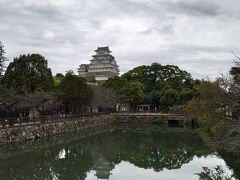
<point>3,59</point>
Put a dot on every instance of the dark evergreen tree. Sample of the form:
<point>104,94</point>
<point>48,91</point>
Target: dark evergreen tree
<point>169,97</point>
<point>77,94</point>
<point>29,73</point>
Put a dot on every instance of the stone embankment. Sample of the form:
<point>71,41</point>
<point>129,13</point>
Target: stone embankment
<point>43,130</point>
<point>153,118</point>
<point>135,119</point>
<point>26,133</point>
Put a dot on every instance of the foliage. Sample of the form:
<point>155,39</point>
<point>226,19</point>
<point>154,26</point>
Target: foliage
<point>235,71</point>
<point>159,119</point>
<point>216,107</point>
<point>115,83</point>
<point>76,93</point>
<point>30,73</point>
<point>16,131</point>
<point>186,94</point>
<point>153,79</point>
<point>169,97</point>
<point>210,109</point>
<point>156,76</point>
<point>153,98</point>
<point>216,174</point>
<point>13,102</point>
<point>231,140</point>
<point>133,92</point>
<point>129,92</point>
<point>67,122</point>
<point>59,75</point>
<point>57,80</point>
<point>3,59</point>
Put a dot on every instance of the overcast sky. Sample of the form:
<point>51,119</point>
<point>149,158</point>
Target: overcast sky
<point>196,35</point>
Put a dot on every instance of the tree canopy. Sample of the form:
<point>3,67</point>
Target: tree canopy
<point>149,83</point>
<point>29,72</point>
<point>129,92</point>
<point>76,92</point>
<point>216,108</point>
<point>169,97</point>
<point>156,76</point>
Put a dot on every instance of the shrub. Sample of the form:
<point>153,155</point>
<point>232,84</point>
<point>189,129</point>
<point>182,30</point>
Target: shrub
<point>67,122</point>
<point>159,119</point>
<point>16,131</point>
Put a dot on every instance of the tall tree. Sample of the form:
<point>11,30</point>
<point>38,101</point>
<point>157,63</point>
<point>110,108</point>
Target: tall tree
<point>132,93</point>
<point>3,59</point>
<point>153,98</point>
<point>30,73</point>
<point>77,94</point>
<point>57,79</point>
<point>235,71</point>
<point>115,83</point>
<point>128,91</point>
<point>210,107</point>
<point>186,94</point>
<point>156,76</point>
<point>169,97</point>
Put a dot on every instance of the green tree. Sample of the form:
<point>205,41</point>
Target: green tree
<point>30,73</point>
<point>186,94</point>
<point>77,94</point>
<point>156,76</point>
<point>169,97</point>
<point>115,83</point>
<point>3,59</point>
<point>128,91</point>
<point>235,70</point>
<point>153,79</point>
<point>153,98</point>
<point>210,107</point>
<point>133,93</point>
<point>57,79</point>
<point>216,111</point>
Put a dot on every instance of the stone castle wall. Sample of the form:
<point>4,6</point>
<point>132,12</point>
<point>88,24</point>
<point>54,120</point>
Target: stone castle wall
<point>26,133</point>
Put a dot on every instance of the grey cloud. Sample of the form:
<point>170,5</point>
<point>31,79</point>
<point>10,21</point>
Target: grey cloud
<point>205,8</point>
<point>198,7</point>
<point>216,60</point>
<point>179,32</point>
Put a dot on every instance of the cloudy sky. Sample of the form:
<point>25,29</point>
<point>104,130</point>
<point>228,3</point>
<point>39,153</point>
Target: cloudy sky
<point>196,35</point>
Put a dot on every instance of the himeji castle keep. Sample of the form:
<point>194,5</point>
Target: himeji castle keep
<point>102,66</point>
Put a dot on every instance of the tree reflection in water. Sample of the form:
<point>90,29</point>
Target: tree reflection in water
<point>151,148</point>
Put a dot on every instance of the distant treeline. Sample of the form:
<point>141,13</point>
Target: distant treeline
<point>27,85</point>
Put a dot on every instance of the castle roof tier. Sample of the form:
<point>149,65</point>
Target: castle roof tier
<point>104,49</point>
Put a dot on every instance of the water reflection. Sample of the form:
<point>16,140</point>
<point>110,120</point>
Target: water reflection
<point>149,148</point>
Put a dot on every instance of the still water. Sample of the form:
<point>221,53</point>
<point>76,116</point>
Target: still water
<point>126,153</point>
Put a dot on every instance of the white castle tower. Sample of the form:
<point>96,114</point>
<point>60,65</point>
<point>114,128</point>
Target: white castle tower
<point>103,65</point>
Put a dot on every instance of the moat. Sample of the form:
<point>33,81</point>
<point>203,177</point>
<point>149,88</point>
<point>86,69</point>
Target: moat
<point>125,152</point>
